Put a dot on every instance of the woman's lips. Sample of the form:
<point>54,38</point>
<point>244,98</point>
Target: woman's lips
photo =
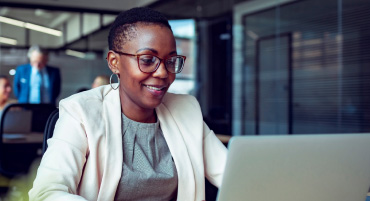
<point>154,87</point>
<point>156,90</point>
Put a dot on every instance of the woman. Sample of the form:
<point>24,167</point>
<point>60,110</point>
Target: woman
<point>132,141</point>
<point>5,90</point>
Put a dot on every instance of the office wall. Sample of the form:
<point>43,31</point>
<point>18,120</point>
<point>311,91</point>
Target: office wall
<point>325,89</point>
<point>214,72</point>
<point>241,72</point>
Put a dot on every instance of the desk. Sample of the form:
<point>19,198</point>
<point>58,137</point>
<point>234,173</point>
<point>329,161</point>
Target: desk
<point>19,150</point>
<point>23,138</point>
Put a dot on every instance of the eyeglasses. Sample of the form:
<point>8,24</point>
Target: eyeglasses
<point>149,63</point>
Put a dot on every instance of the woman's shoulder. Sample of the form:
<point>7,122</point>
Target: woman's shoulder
<point>86,99</point>
<point>183,108</point>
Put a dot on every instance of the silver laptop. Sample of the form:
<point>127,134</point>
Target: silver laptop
<point>333,167</point>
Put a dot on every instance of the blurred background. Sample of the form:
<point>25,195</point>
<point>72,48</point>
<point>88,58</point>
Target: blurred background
<point>256,66</point>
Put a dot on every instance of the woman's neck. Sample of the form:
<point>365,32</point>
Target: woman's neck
<point>140,116</point>
<point>135,112</point>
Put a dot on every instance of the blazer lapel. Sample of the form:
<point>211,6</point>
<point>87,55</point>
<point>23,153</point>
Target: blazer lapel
<point>179,152</point>
<point>114,154</point>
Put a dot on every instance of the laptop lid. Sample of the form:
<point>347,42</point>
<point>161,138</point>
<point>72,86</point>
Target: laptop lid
<point>18,121</point>
<point>332,167</point>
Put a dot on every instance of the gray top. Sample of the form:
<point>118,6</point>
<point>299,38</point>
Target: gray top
<point>148,172</point>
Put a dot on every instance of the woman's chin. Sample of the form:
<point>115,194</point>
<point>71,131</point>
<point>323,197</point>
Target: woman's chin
<point>153,105</point>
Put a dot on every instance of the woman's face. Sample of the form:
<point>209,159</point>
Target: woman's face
<point>5,89</point>
<point>140,90</point>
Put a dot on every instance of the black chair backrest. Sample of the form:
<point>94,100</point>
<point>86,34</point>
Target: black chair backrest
<point>16,157</point>
<point>39,114</point>
<point>49,128</point>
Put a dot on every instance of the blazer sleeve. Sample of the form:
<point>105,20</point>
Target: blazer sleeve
<point>62,165</point>
<point>214,154</point>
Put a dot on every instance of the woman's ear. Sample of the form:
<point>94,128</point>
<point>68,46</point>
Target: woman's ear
<point>113,61</point>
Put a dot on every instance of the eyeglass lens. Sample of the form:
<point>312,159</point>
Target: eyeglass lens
<point>149,63</point>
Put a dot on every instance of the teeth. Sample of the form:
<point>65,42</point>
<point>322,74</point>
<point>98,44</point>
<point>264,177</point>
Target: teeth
<point>154,88</point>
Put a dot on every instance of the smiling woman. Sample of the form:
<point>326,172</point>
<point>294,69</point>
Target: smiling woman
<point>140,91</point>
<point>132,140</point>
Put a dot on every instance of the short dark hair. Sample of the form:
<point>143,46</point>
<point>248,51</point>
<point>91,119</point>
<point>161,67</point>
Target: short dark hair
<point>3,77</point>
<point>123,27</point>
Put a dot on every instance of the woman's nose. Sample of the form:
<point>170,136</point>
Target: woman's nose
<point>161,72</point>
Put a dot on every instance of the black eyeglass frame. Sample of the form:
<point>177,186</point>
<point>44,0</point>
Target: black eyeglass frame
<point>160,60</point>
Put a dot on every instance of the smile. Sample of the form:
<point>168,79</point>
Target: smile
<point>155,88</point>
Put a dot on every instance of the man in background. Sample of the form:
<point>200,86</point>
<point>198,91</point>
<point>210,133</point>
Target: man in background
<point>36,82</point>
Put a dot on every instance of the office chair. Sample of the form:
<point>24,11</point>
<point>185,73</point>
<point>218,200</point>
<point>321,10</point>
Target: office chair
<point>49,128</point>
<point>18,123</point>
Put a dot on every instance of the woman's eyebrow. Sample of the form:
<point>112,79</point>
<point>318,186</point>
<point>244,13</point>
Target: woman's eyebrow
<point>155,51</point>
<point>173,52</point>
<point>146,48</point>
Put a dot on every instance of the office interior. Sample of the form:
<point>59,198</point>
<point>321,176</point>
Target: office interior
<point>257,67</point>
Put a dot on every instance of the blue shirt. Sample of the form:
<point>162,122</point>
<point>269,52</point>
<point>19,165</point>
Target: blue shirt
<point>37,84</point>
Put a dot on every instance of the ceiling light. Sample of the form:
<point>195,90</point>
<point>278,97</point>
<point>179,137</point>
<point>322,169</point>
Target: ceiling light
<point>43,29</point>
<point>31,26</point>
<point>75,53</point>
<point>11,21</point>
<point>8,41</point>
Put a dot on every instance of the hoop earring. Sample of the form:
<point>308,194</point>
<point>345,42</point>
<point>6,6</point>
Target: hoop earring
<point>110,81</point>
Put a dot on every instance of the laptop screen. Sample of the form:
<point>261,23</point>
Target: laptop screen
<point>297,167</point>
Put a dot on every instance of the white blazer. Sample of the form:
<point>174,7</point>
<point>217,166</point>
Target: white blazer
<point>84,157</point>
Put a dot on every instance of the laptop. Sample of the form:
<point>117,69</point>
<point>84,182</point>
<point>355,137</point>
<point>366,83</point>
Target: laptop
<point>330,167</point>
<point>18,121</point>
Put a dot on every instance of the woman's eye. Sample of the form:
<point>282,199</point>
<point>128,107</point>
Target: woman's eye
<point>171,61</point>
<point>147,60</point>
